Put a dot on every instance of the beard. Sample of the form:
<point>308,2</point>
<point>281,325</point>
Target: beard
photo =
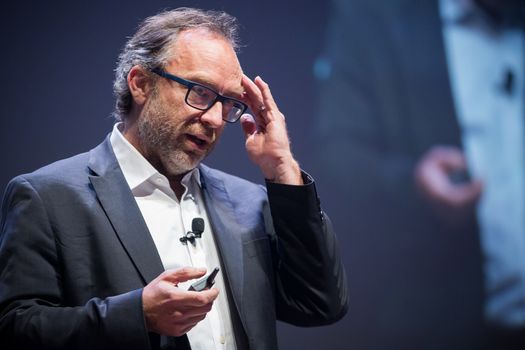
<point>163,138</point>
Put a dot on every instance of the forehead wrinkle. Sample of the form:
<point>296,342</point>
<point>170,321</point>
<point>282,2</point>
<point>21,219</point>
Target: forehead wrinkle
<point>209,59</point>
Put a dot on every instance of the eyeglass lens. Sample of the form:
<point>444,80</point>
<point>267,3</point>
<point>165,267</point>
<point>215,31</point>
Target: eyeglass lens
<point>202,98</point>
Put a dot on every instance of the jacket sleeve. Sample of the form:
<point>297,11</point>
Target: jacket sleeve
<point>310,277</point>
<point>34,307</point>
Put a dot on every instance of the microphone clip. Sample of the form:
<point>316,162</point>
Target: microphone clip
<point>197,228</point>
<point>190,236</point>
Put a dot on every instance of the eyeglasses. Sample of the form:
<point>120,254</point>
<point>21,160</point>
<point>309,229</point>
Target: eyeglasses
<point>203,98</point>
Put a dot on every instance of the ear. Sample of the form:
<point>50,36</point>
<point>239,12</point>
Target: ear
<point>139,83</point>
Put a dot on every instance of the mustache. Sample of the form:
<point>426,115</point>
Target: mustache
<point>198,128</point>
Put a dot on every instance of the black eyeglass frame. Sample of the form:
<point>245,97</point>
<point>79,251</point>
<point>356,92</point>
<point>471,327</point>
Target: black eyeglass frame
<point>190,84</point>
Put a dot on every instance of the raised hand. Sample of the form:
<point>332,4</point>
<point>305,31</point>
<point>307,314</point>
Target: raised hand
<point>267,141</point>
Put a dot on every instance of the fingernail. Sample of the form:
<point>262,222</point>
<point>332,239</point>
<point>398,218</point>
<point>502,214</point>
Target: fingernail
<point>262,80</point>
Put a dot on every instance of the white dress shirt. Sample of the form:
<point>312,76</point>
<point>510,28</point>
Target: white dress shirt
<point>169,219</point>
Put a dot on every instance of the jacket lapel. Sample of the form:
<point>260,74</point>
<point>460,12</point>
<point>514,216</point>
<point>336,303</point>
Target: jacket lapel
<point>123,212</point>
<point>227,233</point>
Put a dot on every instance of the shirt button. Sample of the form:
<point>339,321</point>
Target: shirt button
<point>222,339</point>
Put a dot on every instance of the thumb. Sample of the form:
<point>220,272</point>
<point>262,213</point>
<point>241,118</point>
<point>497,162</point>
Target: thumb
<point>248,125</point>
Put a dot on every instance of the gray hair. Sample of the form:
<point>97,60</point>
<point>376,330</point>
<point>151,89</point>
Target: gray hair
<point>149,46</point>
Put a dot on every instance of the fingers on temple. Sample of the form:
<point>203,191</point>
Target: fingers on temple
<point>267,97</point>
<point>254,98</point>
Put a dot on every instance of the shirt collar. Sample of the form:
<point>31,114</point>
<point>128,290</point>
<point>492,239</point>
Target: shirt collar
<point>136,169</point>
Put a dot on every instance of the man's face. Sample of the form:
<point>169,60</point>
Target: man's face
<point>174,136</point>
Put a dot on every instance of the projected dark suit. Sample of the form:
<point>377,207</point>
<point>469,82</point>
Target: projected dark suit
<point>416,284</point>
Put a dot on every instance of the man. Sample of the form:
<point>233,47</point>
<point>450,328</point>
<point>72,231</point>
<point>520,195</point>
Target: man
<point>422,128</point>
<point>99,250</point>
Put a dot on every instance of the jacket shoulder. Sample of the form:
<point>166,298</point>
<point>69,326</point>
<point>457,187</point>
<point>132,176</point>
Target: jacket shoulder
<point>62,172</point>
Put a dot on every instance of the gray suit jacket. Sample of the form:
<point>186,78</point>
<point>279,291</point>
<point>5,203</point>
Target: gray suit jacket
<point>75,254</point>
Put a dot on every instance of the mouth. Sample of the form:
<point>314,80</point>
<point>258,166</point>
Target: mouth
<point>201,142</point>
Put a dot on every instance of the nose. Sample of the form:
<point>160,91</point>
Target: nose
<point>213,116</point>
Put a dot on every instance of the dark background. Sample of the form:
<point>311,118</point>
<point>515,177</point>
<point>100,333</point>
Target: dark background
<point>57,61</point>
